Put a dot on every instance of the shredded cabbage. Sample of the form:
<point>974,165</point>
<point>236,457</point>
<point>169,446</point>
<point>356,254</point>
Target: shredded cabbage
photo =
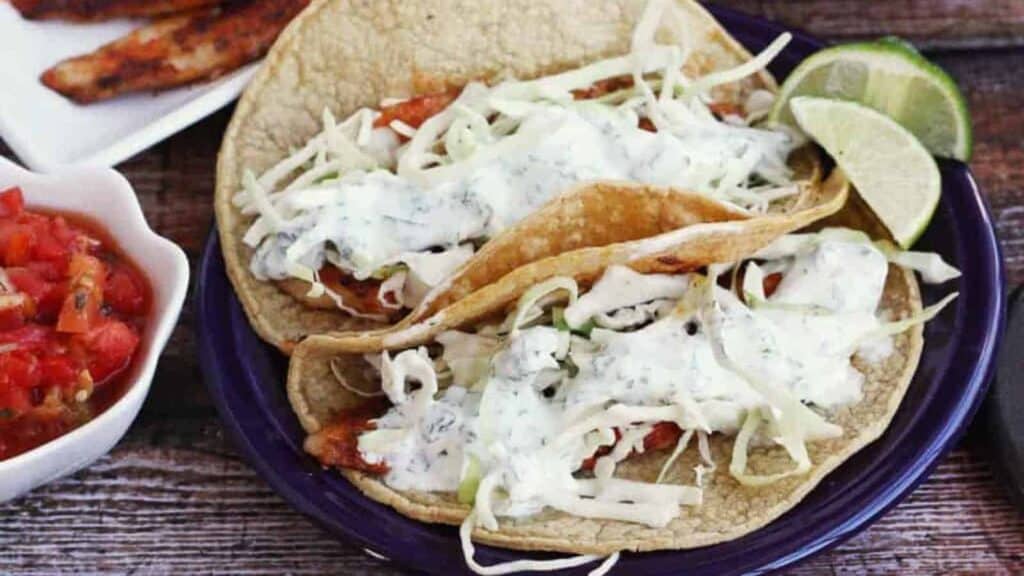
<point>469,550</point>
<point>410,364</point>
<point>340,377</point>
<point>681,445</point>
<point>892,328</point>
<point>468,356</point>
<point>932,268</point>
<point>525,307</point>
<point>752,66</point>
<point>794,422</point>
<point>738,465</point>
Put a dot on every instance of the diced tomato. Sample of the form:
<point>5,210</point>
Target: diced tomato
<point>47,297</point>
<point>588,463</point>
<point>771,283</point>
<point>19,369</point>
<point>51,271</point>
<point>14,400</point>
<point>11,318</point>
<point>85,295</point>
<point>14,310</point>
<point>415,111</point>
<point>28,282</point>
<point>18,249</point>
<point>12,202</point>
<point>663,435</point>
<point>110,346</point>
<point>124,292</point>
<point>59,371</point>
<point>62,232</point>
<point>28,338</point>
<point>50,249</point>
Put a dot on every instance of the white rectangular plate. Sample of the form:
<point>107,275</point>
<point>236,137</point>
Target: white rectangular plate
<point>48,131</point>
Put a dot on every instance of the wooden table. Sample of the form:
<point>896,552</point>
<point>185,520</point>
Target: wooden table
<point>175,497</point>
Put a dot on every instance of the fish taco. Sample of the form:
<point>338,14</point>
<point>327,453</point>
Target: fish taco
<point>663,393</point>
<point>367,179</point>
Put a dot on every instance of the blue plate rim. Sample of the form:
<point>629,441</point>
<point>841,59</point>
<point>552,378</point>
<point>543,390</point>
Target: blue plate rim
<point>216,362</point>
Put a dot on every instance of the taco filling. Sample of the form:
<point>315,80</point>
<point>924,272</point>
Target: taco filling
<point>381,207</point>
<point>536,410</point>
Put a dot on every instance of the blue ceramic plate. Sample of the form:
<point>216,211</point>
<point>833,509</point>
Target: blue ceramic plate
<point>246,379</point>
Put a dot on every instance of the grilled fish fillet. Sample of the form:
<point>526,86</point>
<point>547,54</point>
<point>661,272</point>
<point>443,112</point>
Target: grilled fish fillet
<point>93,10</point>
<point>175,51</point>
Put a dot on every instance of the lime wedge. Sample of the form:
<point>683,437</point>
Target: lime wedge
<point>893,172</point>
<point>893,78</point>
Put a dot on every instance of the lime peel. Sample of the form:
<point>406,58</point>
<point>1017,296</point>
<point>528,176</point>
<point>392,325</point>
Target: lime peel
<point>890,76</point>
<point>893,172</point>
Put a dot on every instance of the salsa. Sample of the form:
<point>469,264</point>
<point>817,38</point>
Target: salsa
<point>72,309</point>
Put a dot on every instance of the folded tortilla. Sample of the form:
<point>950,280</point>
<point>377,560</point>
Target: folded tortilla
<point>729,510</point>
<point>344,55</point>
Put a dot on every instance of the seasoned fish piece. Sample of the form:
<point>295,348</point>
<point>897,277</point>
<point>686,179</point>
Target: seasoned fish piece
<point>175,51</point>
<point>94,10</point>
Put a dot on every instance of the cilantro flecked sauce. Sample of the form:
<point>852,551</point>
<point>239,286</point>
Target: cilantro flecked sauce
<point>365,220</point>
<point>515,421</point>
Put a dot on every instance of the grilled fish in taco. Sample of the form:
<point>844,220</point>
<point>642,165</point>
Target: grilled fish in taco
<point>664,393</point>
<point>334,203</point>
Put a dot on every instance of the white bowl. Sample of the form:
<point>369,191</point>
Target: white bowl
<point>105,196</point>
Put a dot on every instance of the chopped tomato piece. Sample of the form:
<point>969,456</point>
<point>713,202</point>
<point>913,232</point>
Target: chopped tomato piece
<point>14,400</point>
<point>59,371</point>
<point>12,203</point>
<point>663,435</point>
<point>771,283</point>
<point>18,250</point>
<point>11,318</point>
<point>85,295</point>
<point>14,310</point>
<point>124,292</point>
<point>111,346</point>
<point>18,371</point>
<point>415,111</point>
<point>28,338</point>
<point>46,296</point>
<point>49,248</point>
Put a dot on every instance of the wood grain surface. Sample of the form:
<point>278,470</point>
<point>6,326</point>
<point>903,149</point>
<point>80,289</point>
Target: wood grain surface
<point>175,498</point>
<point>930,24</point>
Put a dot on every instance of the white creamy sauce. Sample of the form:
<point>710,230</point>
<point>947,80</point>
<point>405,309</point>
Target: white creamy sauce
<point>621,287</point>
<point>634,316</point>
<point>429,454</point>
<point>659,365</point>
<point>521,428</point>
<point>364,220</point>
